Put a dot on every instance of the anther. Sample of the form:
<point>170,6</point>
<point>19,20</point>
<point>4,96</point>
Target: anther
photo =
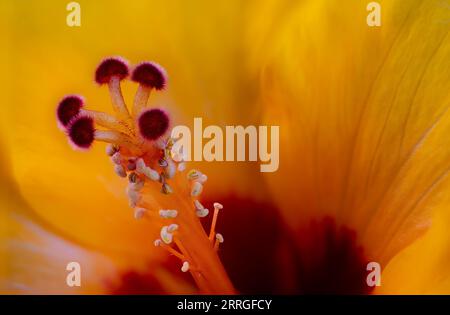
<point>172,228</point>
<point>111,149</point>
<point>193,174</point>
<point>157,242</point>
<point>133,197</point>
<point>219,240</point>
<point>185,267</point>
<point>116,158</point>
<point>150,173</point>
<point>197,189</point>
<point>170,170</point>
<point>166,236</point>
<point>198,205</point>
<point>138,185</point>
<point>217,208</point>
<point>131,165</point>
<point>133,177</point>
<point>166,189</point>
<point>163,162</point>
<point>181,167</point>
<point>202,179</point>
<point>201,213</point>
<point>120,171</point>
<point>139,213</point>
<point>167,214</point>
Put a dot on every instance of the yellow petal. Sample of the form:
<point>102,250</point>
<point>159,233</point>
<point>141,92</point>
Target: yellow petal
<point>363,117</point>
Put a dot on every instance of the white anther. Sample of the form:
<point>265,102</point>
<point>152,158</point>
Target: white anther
<point>172,228</point>
<point>166,189</point>
<point>139,213</point>
<point>133,197</point>
<point>185,267</point>
<point>197,189</point>
<point>160,143</point>
<point>202,179</point>
<point>170,169</point>
<point>140,165</point>
<point>166,236</point>
<point>116,158</point>
<point>136,186</point>
<point>157,242</point>
<point>111,149</point>
<point>198,205</point>
<point>120,171</point>
<point>219,237</point>
<point>181,167</point>
<point>150,173</point>
<point>201,213</point>
<point>166,214</point>
<point>193,174</point>
<point>218,205</point>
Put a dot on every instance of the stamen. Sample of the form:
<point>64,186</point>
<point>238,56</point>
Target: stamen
<point>139,213</point>
<point>133,177</point>
<point>111,149</point>
<point>149,76</point>
<point>198,205</point>
<point>133,197</point>
<point>119,170</point>
<point>172,228</point>
<point>112,71</point>
<point>153,124</point>
<point>202,179</point>
<point>201,212</point>
<point>170,170</point>
<point>197,189</point>
<point>150,173</point>
<point>219,240</point>
<point>68,108</point>
<point>166,189</point>
<point>217,208</point>
<point>138,185</point>
<point>116,158</point>
<point>185,267</point>
<point>167,214</point>
<point>193,174</point>
<point>166,236</point>
<point>173,252</point>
